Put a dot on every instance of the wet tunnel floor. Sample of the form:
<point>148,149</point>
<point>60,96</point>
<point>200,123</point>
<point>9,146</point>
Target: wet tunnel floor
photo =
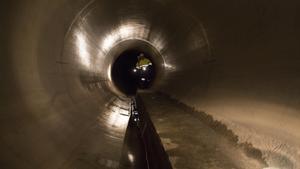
<point>193,140</point>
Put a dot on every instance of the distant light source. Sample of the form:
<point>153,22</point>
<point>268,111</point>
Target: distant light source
<point>134,70</point>
<point>130,157</point>
<point>143,79</point>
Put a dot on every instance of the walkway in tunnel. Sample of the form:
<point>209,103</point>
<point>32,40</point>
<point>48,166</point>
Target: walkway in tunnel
<point>193,140</point>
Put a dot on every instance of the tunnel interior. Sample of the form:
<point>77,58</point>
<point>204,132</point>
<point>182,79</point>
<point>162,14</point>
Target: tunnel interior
<point>66,77</point>
<point>127,76</point>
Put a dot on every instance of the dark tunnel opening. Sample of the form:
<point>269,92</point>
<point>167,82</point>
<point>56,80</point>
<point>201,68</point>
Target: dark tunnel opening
<point>133,70</point>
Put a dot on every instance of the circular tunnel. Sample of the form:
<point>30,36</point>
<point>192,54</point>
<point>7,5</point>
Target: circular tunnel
<point>66,74</point>
<point>127,77</point>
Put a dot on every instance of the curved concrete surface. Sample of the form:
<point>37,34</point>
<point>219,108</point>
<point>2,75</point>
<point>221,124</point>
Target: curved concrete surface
<point>235,60</point>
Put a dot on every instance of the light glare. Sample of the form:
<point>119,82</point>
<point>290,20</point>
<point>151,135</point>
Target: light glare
<point>118,117</point>
<point>109,41</point>
<point>83,49</point>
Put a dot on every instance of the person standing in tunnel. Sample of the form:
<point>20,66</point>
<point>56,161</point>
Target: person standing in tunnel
<point>144,69</point>
<point>142,61</point>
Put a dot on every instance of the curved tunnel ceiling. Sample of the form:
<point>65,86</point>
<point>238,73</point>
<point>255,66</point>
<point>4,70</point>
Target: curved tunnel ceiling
<point>236,60</point>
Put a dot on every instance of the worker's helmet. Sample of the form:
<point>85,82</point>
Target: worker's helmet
<point>141,55</point>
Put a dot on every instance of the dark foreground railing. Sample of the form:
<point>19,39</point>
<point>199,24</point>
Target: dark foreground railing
<point>147,146</point>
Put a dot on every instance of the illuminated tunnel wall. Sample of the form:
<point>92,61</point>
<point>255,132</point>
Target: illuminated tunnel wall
<point>236,60</point>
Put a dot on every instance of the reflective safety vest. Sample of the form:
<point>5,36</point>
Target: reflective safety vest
<point>143,62</point>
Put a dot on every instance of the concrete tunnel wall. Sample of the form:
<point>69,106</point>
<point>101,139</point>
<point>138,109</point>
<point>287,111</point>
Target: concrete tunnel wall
<point>235,60</point>
<point>253,78</point>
